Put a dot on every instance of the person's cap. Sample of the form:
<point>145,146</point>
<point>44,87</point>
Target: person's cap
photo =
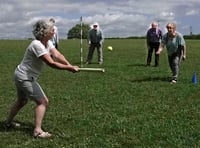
<point>95,24</point>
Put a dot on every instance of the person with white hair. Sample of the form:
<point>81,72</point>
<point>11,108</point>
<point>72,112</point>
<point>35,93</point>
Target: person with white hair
<point>95,40</point>
<point>40,52</point>
<point>176,49</point>
<point>55,38</point>
<point>154,35</point>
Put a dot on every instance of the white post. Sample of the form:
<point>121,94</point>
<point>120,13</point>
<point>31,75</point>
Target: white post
<point>81,52</point>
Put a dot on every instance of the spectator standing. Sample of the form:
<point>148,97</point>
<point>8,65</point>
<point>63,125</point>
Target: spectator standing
<point>55,38</point>
<point>95,40</point>
<point>154,35</point>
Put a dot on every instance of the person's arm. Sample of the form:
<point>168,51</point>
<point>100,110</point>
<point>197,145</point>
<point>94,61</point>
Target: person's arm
<point>147,39</point>
<point>163,43</point>
<point>183,44</point>
<point>59,57</point>
<point>102,37</point>
<point>57,36</point>
<point>89,37</point>
<point>184,52</point>
<point>160,48</point>
<point>62,63</point>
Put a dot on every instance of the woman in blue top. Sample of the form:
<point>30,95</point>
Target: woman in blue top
<point>176,49</point>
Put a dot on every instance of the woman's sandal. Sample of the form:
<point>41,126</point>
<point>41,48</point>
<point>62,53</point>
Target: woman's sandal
<point>42,135</point>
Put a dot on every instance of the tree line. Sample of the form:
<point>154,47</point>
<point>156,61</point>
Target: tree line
<point>75,33</point>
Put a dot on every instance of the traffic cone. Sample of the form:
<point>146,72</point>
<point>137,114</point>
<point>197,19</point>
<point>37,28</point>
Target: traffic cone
<point>194,78</point>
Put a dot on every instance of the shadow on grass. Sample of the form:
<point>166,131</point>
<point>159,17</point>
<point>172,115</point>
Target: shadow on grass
<point>26,128</point>
<point>148,79</point>
<point>137,65</point>
<point>96,64</point>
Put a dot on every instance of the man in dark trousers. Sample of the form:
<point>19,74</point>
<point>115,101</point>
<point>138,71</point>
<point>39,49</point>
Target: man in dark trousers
<point>154,36</point>
<point>95,40</point>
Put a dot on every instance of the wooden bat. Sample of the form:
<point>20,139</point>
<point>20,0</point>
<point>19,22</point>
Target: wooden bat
<point>92,69</point>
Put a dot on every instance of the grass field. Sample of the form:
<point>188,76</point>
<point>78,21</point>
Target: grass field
<point>128,106</point>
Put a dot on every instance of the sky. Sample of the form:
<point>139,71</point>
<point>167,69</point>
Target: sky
<point>117,18</point>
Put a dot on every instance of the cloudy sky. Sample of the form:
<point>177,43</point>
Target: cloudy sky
<point>117,18</point>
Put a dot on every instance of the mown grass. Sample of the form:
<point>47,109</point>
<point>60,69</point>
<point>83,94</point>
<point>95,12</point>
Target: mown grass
<point>129,105</point>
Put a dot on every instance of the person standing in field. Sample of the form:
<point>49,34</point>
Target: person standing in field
<point>176,49</point>
<point>39,53</point>
<point>153,37</point>
<point>95,40</point>
<point>55,38</point>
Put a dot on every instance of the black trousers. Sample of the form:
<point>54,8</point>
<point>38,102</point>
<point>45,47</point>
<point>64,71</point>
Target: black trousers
<point>153,47</point>
<point>99,52</point>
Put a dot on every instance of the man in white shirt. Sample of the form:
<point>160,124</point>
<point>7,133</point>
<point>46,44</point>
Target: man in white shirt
<point>55,39</point>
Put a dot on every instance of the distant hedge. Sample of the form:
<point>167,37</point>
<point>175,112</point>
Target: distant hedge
<point>195,37</point>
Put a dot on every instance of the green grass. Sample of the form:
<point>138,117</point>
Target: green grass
<point>129,105</point>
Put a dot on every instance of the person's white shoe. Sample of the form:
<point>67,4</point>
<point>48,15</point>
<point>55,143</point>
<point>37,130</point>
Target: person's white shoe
<point>173,82</point>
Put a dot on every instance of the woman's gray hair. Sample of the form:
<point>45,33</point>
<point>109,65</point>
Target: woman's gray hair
<point>41,28</point>
<point>171,24</point>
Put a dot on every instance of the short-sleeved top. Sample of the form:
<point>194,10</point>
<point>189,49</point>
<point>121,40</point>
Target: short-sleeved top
<point>31,66</point>
<point>172,44</point>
